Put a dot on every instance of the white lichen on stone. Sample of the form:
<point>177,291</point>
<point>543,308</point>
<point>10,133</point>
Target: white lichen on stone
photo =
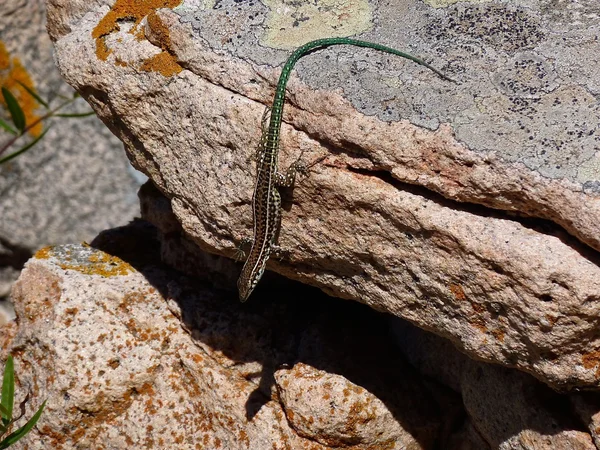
<point>290,25</point>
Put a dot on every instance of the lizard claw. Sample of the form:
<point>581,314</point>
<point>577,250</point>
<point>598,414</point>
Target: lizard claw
<point>240,254</point>
<point>304,168</point>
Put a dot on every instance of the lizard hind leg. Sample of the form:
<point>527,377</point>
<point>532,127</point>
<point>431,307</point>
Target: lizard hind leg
<point>240,254</point>
<point>288,178</point>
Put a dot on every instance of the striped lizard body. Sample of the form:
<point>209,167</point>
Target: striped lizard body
<point>266,201</point>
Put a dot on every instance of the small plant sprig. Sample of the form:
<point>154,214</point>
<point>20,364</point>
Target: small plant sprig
<point>6,409</point>
<point>20,127</point>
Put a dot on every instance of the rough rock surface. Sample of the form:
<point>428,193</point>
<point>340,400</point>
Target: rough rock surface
<point>443,204</point>
<point>131,354</point>
<point>77,180</point>
<point>510,409</point>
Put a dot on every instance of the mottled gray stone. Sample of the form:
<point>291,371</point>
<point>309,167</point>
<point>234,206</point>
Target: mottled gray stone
<point>508,409</point>
<point>423,217</point>
<point>77,180</point>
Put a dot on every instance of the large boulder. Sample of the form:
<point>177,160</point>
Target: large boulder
<point>469,209</point>
<point>131,354</point>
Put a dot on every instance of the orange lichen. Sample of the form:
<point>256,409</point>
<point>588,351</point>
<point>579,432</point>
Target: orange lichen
<point>457,290</point>
<point>134,10</point>
<point>160,31</point>
<point>591,360</point>
<point>551,319</point>
<point>12,73</point>
<point>498,333</point>
<point>99,263</point>
<point>91,263</point>
<point>102,50</point>
<point>197,358</point>
<point>479,323</point>
<point>478,308</point>
<point>163,63</point>
<point>43,253</point>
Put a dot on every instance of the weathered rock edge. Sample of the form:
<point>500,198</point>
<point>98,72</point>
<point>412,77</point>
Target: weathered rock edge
<point>412,155</point>
<point>145,358</point>
<point>503,291</point>
<point>132,355</point>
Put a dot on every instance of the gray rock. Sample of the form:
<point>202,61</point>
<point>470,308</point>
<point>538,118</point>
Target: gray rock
<point>77,180</point>
<point>510,410</point>
<point>423,217</point>
<point>587,408</point>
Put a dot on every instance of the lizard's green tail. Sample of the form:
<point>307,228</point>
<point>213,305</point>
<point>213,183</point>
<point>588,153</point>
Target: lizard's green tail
<point>279,99</point>
<point>327,42</point>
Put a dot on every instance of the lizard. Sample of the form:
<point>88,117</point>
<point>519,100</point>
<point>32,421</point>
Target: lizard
<point>266,200</point>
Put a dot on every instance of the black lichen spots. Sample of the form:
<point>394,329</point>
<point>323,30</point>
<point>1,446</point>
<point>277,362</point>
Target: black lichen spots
<point>528,76</point>
<point>219,4</point>
<point>501,27</point>
<point>591,187</point>
<point>299,17</point>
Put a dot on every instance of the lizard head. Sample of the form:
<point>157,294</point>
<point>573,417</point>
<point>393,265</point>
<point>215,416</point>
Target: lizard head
<point>246,283</point>
<point>245,289</point>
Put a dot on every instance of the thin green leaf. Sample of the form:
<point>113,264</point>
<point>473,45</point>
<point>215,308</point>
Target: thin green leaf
<point>16,113</point>
<point>23,150</point>
<point>8,390</point>
<point>91,113</point>
<point>34,95</point>
<point>3,411</point>
<point>3,430</point>
<point>15,436</point>
<point>7,127</point>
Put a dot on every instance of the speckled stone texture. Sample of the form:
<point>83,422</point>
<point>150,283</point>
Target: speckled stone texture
<point>510,409</point>
<point>131,354</point>
<point>469,209</point>
<point>72,184</point>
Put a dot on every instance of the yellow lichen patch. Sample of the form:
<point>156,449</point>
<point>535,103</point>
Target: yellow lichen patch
<point>135,11</point>
<point>163,63</point>
<point>100,263</point>
<point>85,259</point>
<point>291,24</point>
<point>12,73</point>
<point>43,253</point>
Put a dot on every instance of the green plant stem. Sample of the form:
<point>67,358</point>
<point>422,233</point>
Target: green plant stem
<point>33,124</point>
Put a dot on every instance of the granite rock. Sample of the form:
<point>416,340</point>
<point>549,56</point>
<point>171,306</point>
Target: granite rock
<point>131,354</point>
<point>469,209</point>
<point>76,181</point>
<point>509,409</point>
